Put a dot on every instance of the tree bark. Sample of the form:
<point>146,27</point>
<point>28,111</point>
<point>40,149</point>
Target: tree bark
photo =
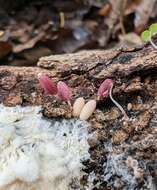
<point>132,70</point>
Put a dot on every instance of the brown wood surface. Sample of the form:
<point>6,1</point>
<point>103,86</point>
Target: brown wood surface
<point>132,70</point>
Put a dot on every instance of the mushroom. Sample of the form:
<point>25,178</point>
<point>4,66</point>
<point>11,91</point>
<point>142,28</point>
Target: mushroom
<point>47,84</point>
<point>64,92</point>
<point>105,90</point>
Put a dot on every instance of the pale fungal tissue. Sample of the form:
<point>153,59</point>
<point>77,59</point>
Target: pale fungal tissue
<point>39,154</point>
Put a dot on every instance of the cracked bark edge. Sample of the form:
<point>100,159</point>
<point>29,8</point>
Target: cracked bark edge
<point>83,72</point>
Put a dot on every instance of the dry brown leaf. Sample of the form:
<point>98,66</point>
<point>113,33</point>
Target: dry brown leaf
<point>131,39</point>
<point>131,6</point>
<point>5,49</point>
<point>29,44</point>
<point>142,14</point>
<point>104,11</point>
<point>114,13</point>
<point>22,33</point>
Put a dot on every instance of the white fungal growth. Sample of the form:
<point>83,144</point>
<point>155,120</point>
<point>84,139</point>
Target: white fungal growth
<point>88,109</point>
<point>78,105</point>
<point>40,154</point>
<point>26,168</point>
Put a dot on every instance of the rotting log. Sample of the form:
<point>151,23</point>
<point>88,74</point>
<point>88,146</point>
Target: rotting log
<point>134,72</point>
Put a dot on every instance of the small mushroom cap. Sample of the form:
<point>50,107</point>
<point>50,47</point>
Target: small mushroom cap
<point>77,106</point>
<point>47,84</point>
<point>64,92</point>
<point>88,110</point>
<point>104,88</point>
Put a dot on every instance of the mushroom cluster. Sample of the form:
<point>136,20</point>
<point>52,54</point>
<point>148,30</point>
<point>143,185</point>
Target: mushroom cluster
<point>81,109</point>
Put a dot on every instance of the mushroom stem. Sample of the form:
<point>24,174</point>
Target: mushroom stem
<point>69,103</point>
<point>152,43</point>
<point>117,104</point>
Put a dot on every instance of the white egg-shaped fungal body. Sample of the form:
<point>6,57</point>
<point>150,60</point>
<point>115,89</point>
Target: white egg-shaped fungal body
<point>88,110</point>
<point>78,105</point>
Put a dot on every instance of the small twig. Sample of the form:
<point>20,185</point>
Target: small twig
<point>62,20</point>
<point>122,8</point>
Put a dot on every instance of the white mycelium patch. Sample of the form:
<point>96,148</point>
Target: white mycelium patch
<point>40,154</point>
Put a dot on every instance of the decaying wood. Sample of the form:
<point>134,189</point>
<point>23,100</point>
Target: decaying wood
<point>134,72</point>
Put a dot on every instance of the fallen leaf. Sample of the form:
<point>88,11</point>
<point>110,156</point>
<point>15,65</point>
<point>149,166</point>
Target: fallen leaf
<point>131,40</point>
<point>104,11</point>
<point>142,14</point>
<point>5,49</point>
<point>115,13</point>
<point>29,44</point>
<point>131,6</point>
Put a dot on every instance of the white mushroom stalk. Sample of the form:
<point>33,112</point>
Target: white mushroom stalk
<point>105,90</point>
<point>117,104</point>
<point>152,43</point>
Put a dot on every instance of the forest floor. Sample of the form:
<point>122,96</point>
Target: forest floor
<point>33,29</point>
